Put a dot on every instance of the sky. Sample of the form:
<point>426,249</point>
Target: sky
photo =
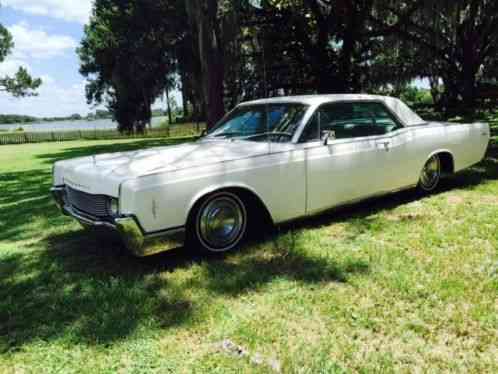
<point>46,34</point>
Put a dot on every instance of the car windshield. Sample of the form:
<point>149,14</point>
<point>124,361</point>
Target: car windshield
<point>262,122</point>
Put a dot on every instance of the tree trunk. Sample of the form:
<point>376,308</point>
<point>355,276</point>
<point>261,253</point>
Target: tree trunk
<point>435,92</point>
<point>469,89</point>
<point>168,105</point>
<point>347,51</point>
<point>185,93</point>
<point>470,67</point>
<point>206,23</point>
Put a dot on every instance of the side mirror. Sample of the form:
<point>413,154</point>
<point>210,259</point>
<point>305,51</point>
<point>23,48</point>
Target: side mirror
<point>328,135</point>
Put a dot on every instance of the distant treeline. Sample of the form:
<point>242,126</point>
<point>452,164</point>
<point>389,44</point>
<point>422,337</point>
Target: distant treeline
<point>10,119</point>
<point>7,119</point>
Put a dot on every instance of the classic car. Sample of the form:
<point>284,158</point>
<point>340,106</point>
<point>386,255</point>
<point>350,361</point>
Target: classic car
<point>281,158</point>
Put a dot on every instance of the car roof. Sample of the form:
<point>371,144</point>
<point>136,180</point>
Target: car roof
<point>400,109</point>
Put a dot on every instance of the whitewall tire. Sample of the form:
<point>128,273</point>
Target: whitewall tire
<point>220,223</point>
<point>431,175</point>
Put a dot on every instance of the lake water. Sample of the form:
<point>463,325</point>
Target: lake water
<point>102,124</point>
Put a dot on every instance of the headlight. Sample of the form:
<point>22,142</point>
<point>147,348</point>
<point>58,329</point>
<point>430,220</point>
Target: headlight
<point>114,207</point>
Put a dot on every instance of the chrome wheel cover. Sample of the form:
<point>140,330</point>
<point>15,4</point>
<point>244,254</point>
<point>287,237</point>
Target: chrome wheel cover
<point>431,174</point>
<point>221,223</point>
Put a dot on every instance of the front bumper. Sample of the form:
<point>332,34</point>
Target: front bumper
<point>133,237</point>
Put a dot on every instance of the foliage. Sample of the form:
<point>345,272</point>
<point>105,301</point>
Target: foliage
<point>398,284</point>
<point>6,43</point>
<point>21,84</point>
<point>416,96</point>
<point>224,52</point>
<point>455,41</point>
<point>126,57</point>
<point>14,118</point>
<point>7,119</point>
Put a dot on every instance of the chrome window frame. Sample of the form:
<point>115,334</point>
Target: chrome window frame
<point>300,131</point>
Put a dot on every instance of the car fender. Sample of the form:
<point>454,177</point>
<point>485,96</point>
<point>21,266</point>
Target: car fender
<point>223,186</point>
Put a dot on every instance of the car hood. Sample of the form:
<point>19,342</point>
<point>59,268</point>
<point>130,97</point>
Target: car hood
<point>104,173</point>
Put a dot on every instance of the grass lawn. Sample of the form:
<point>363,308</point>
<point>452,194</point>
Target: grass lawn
<point>400,283</point>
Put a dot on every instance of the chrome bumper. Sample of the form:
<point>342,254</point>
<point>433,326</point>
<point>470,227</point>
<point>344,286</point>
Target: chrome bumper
<point>135,240</point>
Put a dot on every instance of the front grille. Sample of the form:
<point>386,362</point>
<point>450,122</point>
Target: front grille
<point>95,205</point>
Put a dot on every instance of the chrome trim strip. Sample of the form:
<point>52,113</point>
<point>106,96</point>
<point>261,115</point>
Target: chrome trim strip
<point>129,230</point>
<point>302,127</point>
<point>86,221</point>
<point>58,195</point>
<point>359,200</point>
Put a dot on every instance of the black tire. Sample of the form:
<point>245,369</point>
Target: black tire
<point>430,177</point>
<point>218,224</point>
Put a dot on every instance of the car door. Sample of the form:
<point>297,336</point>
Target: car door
<point>355,161</point>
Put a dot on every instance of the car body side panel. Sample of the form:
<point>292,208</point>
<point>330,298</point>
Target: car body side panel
<point>164,200</point>
<point>414,146</point>
<point>360,168</point>
<point>343,171</point>
<point>476,145</point>
<point>465,142</point>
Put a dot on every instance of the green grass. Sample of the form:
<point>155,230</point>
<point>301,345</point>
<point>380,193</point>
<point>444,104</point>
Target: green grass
<point>399,283</point>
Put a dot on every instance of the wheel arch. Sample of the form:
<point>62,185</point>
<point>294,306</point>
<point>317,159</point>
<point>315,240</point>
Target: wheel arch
<point>447,160</point>
<point>245,192</point>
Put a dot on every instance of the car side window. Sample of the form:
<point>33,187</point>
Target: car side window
<point>350,120</point>
<point>311,131</point>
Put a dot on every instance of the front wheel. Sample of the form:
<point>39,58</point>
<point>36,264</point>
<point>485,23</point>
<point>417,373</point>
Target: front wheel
<point>220,223</point>
<point>431,175</point>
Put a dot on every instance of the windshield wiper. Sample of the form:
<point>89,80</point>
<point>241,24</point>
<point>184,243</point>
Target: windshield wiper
<point>227,134</point>
<point>269,133</point>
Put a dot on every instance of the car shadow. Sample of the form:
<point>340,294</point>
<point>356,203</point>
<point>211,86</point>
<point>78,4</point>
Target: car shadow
<point>86,289</point>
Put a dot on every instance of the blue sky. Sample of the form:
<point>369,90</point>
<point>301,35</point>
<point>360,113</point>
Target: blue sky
<point>46,34</point>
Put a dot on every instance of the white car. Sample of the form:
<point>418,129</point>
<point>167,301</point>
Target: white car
<point>281,158</point>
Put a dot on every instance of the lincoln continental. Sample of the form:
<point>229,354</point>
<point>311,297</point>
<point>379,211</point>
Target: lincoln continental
<point>278,159</point>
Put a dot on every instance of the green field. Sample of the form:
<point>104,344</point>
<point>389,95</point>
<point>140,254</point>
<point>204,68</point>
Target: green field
<point>400,283</point>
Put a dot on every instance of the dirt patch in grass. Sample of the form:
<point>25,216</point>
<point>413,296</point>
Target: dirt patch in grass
<point>455,200</point>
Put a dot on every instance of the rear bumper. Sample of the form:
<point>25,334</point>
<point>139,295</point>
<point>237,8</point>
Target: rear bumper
<point>138,242</point>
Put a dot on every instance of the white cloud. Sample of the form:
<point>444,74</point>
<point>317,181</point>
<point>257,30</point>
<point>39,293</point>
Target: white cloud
<point>57,100</point>
<point>68,10</point>
<point>11,65</point>
<point>38,43</point>
<point>53,100</point>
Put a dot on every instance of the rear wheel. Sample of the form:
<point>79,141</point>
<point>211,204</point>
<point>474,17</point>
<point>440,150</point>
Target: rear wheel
<point>219,223</point>
<point>431,175</point>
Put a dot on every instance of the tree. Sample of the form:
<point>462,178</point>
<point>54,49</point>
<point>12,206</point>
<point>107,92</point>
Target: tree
<point>213,24</point>
<point>316,46</point>
<point>459,39</point>
<point>127,55</point>
<point>21,84</point>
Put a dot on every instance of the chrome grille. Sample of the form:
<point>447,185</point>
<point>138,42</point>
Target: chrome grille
<point>95,205</point>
